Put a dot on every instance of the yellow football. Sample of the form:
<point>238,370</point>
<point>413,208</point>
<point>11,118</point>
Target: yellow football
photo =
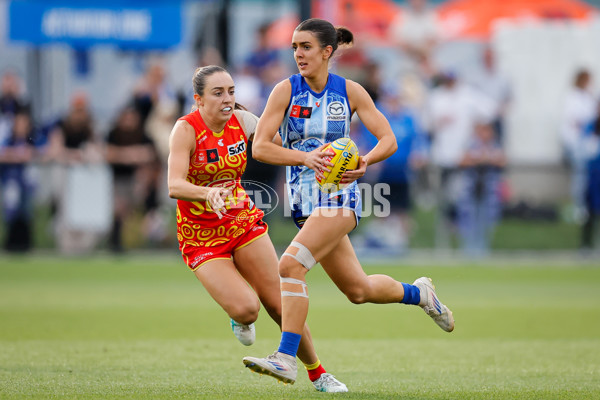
<point>344,159</point>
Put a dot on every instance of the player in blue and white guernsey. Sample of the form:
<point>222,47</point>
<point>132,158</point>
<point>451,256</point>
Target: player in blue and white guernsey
<point>310,110</point>
<point>312,120</point>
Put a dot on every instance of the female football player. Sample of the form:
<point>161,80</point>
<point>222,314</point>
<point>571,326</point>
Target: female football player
<point>221,233</point>
<point>308,110</point>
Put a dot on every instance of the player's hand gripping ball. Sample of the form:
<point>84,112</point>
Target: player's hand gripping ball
<point>344,159</point>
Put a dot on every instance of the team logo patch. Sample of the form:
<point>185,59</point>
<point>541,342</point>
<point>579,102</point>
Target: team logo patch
<point>212,155</point>
<point>236,148</point>
<point>336,111</point>
<point>300,111</point>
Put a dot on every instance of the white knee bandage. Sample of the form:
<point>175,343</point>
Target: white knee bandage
<point>303,256</point>
<point>294,282</point>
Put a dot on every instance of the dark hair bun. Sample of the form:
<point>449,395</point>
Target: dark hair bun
<point>344,35</point>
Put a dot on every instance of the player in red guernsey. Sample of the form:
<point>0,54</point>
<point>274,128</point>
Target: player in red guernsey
<point>220,231</point>
<point>218,161</point>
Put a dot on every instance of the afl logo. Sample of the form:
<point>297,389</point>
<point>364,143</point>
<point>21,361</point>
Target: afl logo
<point>335,108</point>
<point>246,197</point>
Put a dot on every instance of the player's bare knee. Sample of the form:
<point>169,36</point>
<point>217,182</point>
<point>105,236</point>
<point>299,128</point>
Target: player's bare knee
<point>356,294</point>
<point>244,313</point>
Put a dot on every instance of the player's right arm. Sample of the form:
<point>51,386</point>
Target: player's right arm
<point>182,145</point>
<point>265,147</point>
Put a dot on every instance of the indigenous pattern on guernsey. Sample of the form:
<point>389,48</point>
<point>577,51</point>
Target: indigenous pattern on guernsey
<point>219,160</point>
<point>311,120</point>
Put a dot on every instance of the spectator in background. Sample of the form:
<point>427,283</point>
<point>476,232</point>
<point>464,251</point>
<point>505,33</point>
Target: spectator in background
<point>16,187</point>
<point>452,111</point>
<point>416,31</point>
<point>479,206</point>
<point>73,134</point>
<point>247,85</point>
<point>72,143</point>
<point>393,232</point>
<point>158,106</point>
<point>11,102</point>
<point>152,90</point>
<point>417,84</point>
<point>263,55</point>
<point>262,70</point>
<point>579,110</point>
<point>591,145</point>
<point>131,154</point>
<point>372,80</point>
<point>263,63</point>
<point>494,84</point>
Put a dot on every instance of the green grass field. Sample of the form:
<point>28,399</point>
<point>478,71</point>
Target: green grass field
<point>144,328</point>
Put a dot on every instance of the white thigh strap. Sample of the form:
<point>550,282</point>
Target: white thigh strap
<point>294,282</point>
<point>303,256</point>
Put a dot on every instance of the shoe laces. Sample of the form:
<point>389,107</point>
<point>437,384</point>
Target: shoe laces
<point>329,379</point>
<point>279,359</point>
<point>275,357</point>
<point>431,311</point>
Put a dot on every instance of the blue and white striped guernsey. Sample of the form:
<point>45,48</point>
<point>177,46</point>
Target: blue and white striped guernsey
<point>311,120</point>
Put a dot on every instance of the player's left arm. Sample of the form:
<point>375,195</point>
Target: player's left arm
<point>376,123</point>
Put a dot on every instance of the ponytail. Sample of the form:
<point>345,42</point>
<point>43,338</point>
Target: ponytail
<point>326,33</point>
<point>344,36</point>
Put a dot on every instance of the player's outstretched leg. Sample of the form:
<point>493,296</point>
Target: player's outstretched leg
<point>433,306</point>
<point>328,383</point>
<point>246,334</point>
<point>278,365</point>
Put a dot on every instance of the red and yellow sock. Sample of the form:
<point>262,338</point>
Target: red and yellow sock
<point>315,370</point>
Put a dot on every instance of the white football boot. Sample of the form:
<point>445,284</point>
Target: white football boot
<point>278,365</point>
<point>328,383</point>
<point>246,334</point>
<point>432,306</point>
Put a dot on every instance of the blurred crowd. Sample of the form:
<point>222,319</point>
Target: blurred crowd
<point>449,128</point>
<point>71,158</point>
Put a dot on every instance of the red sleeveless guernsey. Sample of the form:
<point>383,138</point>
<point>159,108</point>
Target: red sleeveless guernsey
<point>219,160</point>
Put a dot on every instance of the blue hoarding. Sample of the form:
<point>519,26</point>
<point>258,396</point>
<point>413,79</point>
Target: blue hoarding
<point>131,25</point>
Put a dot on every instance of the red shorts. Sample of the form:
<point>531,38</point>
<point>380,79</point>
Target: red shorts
<point>196,256</point>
